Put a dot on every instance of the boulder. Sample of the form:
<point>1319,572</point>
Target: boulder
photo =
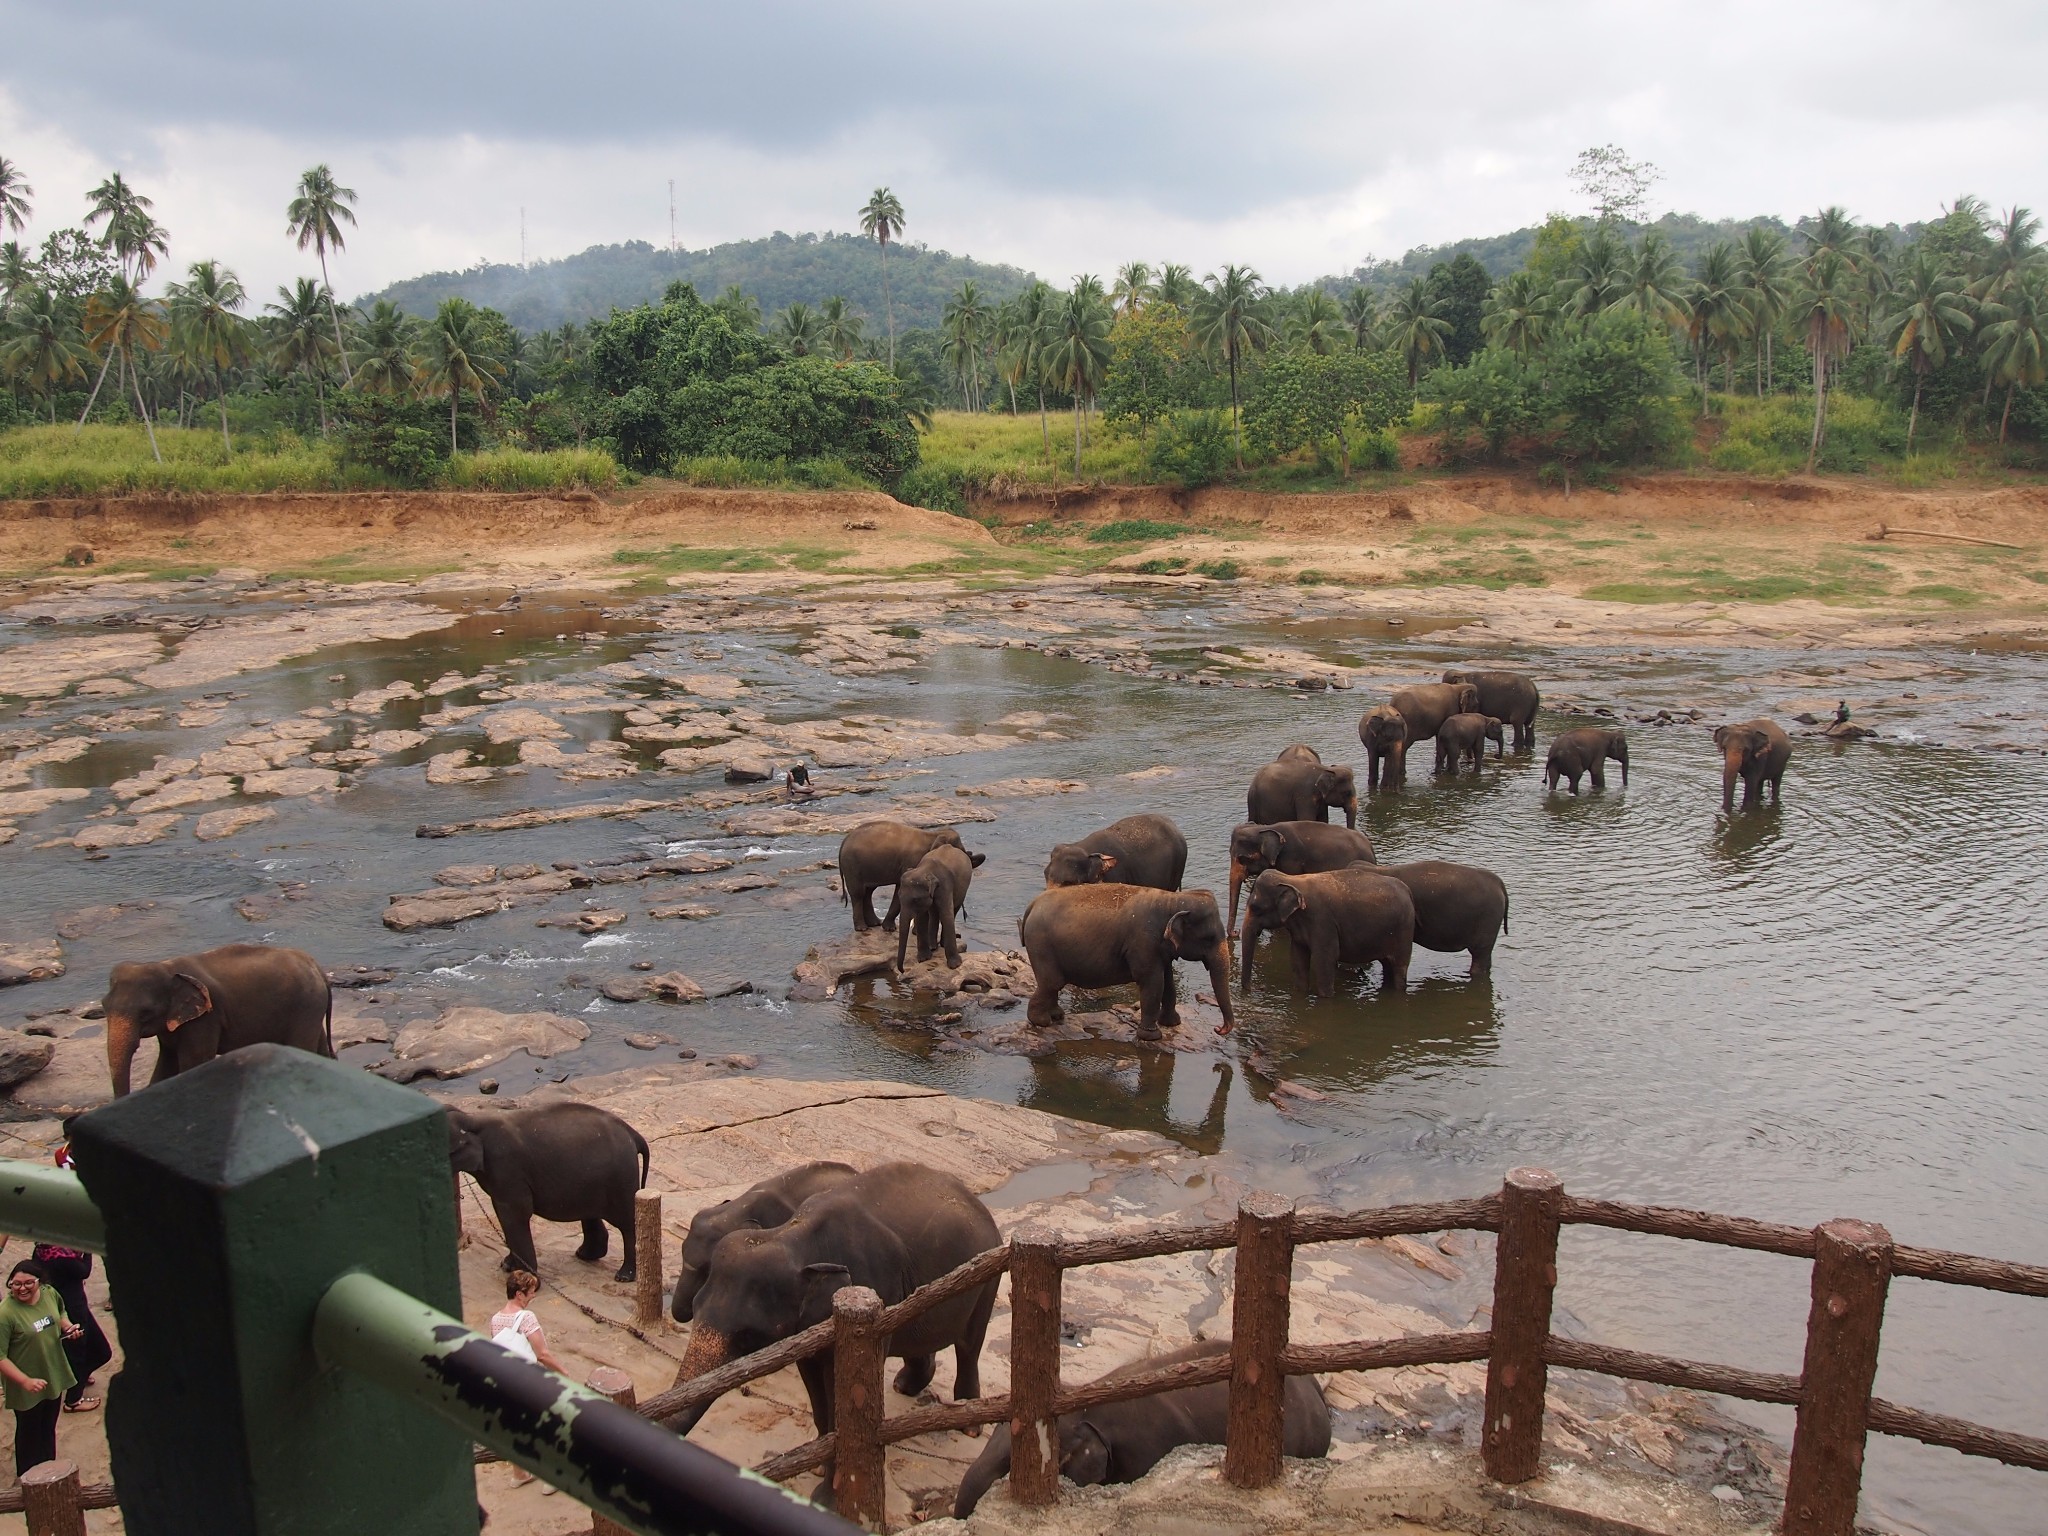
<point>674,987</point>
<point>22,1056</point>
<point>466,874</point>
<point>409,914</point>
<point>468,1039</point>
<point>455,768</point>
<point>688,912</point>
<point>826,966</point>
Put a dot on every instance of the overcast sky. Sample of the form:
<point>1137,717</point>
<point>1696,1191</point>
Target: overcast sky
<point>1297,137</point>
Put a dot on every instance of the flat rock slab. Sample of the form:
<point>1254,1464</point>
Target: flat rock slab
<point>215,825</point>
<point>30,802</point>
<point>182,792</point>
<point>826,966</point>
<point>409,914</point>
<point>88,920</point>
<point>114,834</point>
<point>468,1039</point>
<point>508,725</point>
<point>688,912</point>
<point>1011,1035</point>
<point>457,768</point>
<point>291,781</point>
<point>1022,789</point>
<point>594,921</point>
<point>794,823</point>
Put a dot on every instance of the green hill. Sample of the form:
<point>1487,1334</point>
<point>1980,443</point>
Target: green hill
<point>778,270</point>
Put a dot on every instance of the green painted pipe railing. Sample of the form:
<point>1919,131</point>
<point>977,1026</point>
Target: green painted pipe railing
<point>49,1205</point>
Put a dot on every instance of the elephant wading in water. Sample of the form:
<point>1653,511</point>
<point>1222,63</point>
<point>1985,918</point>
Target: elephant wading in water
<point>1457,906</point>
<point>892,1229</point>
<point>1293,848</point>
<point>1113,935</point>
<point>1350,916</point>
<point>1510,697</point>
<point>1121,1442</point>
<point>879,853</point>
<point>1427,706</point>
<point>1756,752</point>
<point>1139,850</point>
<point>1299,786</point>
<point>201,1006</point>
<point>1586,750</point>
<point>931,896</point>
<point>1464,736</point>
<point>768,1204</point>
<point>1384,730</point>
<point>560,1162</point>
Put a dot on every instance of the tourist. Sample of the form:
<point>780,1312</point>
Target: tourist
<point>514,1327</point>
<point>33,1329</point>
<point>88,1350</point>
<point>796,784</point>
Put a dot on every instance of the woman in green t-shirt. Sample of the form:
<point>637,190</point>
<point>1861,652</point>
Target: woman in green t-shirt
<point>35,1373</point>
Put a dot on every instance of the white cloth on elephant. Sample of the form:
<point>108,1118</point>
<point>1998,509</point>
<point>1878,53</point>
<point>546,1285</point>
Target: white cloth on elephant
<point>509,1330</point>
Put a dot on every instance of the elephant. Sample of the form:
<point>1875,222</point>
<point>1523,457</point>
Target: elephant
<point>1509,696</point>
<point>932,895</point>
<point>1585,750</point>
<point>1139,850</point>
<point>1756,751</point>
<point>560,1161</point>
<point>879,853</point>
<point>894,1228</point>
<point>1293,848</point>
<point>1384,730</point>
<point>1354,915</point>
<point>1300,752</point>
<point>1108,935</point>
<point>1427,706</point>
<point>1464,736</point>
<point>1457,906</point>
<point>768,1204</point>
<point>201,1006</point>
<point>1121,1442</point>
<point>1300,788</point>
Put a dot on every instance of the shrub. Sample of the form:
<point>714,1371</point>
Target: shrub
<point>401,440</point>
<point>1377,450</point>
<point>941,490</point>
<point>1134,530</point>
<point>1193,451</point>
<point>1220,570</point>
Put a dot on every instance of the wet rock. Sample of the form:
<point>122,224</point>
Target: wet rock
<point>643,965</point>
<point>1022,789</point>
<point>733,885</point>
<point>1848,730</point>
<point>248,759</point>
<point>675,987</point>
<point>796,823</point>
<point>456,768</point>
<point>360,976</point>
<point>409,914</point>
<point>262,906</point>
<point>552,816</point>
<point>749,770</point>
<point>594,921</point>
<point>688,912</point>
<point>649,1041</point>
<point>292,782</point>
<point>113,834</point>
<point>373,700</point>
<point>691,863</point>
<point>389,743</point>
<point>466,874</point>
<point>215,825</point>
<point>86,920</point>
<point>352,1028</point>
<point>624,989</point>
<point>22,1056</point>
<point>686,1054</point>
<point>33,961</point>
<point>30,802</point>
<point>739,1061</point>
<point>488,1085</point>
<point>826,966</point>
<point>534,872</point>
<point>509,725</point>
<point>468,1039</point>
<point>183,792</point>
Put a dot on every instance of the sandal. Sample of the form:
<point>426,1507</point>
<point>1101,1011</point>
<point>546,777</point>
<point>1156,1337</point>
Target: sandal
<point>83,1405</point>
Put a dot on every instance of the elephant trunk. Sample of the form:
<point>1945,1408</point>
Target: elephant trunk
<point>1731,769</point>
<point>1251,933</point>
<point>1351,810</point>
<point>707,1352</point>
<point>1236,885</point>
<point>1219,980</point>
<point>682,1301</point>
<point>124,1035</point>
<point>1621,756</point>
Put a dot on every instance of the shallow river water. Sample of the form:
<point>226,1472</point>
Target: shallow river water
<point>1823,1010</point>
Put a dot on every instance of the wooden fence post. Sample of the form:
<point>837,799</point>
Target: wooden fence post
<point>647,1292</point>
<point>1852,1272</point>
<point>611,1382</point>
<point>1524,1280</point>
<point>1258,1334</point>
<point>52,1499</point>
<point>859,1490</point>
<point>1034,1365</point>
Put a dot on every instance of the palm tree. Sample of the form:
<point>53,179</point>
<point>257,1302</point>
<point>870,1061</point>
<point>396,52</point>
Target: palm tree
<point>41,348</point>
<point>1317,323</point>
<point>1415,327</point>
<point>1596,276</point>
<point>1833,231</point>
<point>1022,347</point>
<point>456,358</point>
<point>1228,319</point>
<point>314,217</point>
<point>1133,286</point>
<point>15,193</point>
<point>797,328</point>
<point>881,220</point>
<point>741,309</point>
<point>1927,318</point>
<point>965,325</point>
<point>298,340</point>
<point>207,331</point>
<point>118,319</point>
<point>2016,339</point>
<point>1518,313</point>
<point>1077,349</point>
<point>1655,282</point>
<point>1361,315</point>
<point>133,235</point>
<point>17,271</point>
<point>1767,284</point>
<point>838,331</point>
<point>1176,286</point>
<point>1715,313</point>
<point>1825,311</point>
<point>384,363</point>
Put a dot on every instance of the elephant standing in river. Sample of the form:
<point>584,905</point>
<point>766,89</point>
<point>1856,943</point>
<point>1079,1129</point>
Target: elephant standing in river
<point>1584,751</point>
<point>1299,786</point>
<point>1139,850</point>
<point>1755,751</point>
<point>931,896</point>
<point>1457,906</point>
<point>560,1161</point>
<point>1352,916</point>
<point>767,1204</point>
<point>879,853</point>
<point>201,1006</point>
<point>1112,935</point>
<point>1427,706</point>
<point>1464,736</point>
<point>1511,697</point>
<point>1293,848</point>
<point>1384,730</point>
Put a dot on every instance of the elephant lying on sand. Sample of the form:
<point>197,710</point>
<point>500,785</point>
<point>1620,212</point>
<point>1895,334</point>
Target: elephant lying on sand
<point>931,896</point>
<point>1139,850</point>
<point>1509,696</point>
<point>1110,935</point>
<point>1464,736</point>
<point>201,1006</point>
<point>1299,786</point>
<point>559,1161</point>
<point>1755,751</point>
<point>768,1204</point>
<point>879,853</point>
<point>892,1229</point>
<point>1573,753</point>
<point>1293,848</point>
<point>1350,916</point>
<point>1121,1442</point>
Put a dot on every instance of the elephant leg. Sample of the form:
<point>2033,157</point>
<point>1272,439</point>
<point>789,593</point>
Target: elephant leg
<point>1322,969</point>
<point>949,937</point>
<point>1301,958</point>
<point>862,898</point>
<point>895,909</point>
<point>595,1240</point>
<point>515,1219</point>
<point>967,1352</point>
<point>1152,995</point>
<point>1394,970</point>
<point>916,1374</point>
<point>1482,958</point>
<point>621,1217</point>
<point>817,1375</point>
<point>1044,1008</point>
<point>1599,776</point>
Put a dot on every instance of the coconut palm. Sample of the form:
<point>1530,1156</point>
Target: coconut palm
<point>741,309</point>
<point>1229,320</point>
<point>1654,282</point>
<point>1176,286</point>
<point>1317,324</point>
<point>299,339</point>
<point>1715,313</point>
<point>1518,313</point>
<point>1077,348</point>
<point>1824,311</point>
<point>1022,347</point>
<point>135,238</point>
<point>17,270</point>
<point>456,358</point>
<point>1766,279</point>
<point>1133,286</point>
<point>838,331</point>
<point>881,220</point>
<point>1361,315</point>
<point>964,325</point>
<point>2015,338</point>
<point>384,363</point>
<point>208,333</point>
<point>39,348</point>
<point>1415,327</point>
<point>15,193</point>
<point>1928,316</point>
<point>314,217</point>
<point>121,322</point>
<point>1833,231</point>
<point>797,329</point>
<point>1596,276</point>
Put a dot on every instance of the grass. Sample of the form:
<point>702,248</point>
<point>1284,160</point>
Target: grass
<point>729,472</point>
<point>1136,530</point>
<point>349,568</point>
<point>980,449</point>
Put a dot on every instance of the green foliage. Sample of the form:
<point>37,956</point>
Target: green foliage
<point>1497,398</point>
<point>1193,450</point>
<point>731,471</point>
<point>1150,366</point>
<point>1771,436</point>
<point>401,440</point>
<point>1302,400</point>
<point>519,469</point>
<point>1170,565</point>
<point>1135,530</point>
<point>1614,387</point>
<point>1220,570</point>
<point>104,460</point>
<point>1460,288</point>
<point>938,489</point>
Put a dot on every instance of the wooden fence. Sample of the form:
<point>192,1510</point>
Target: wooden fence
<point>1853,1262</point>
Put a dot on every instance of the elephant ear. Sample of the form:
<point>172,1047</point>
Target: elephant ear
<point>1105,862</point>
<point>821,1283</point>
<point>189,1000</point>
<point>976,860</point>
<point>1721,735</point>
<point>1175,925</point>
<point>1270,847</point>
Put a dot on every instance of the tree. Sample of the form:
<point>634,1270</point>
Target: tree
<point>797,329</point>
<point>838,331</point>
<point>741,309</point>
<point>299,339</point>
<point>17,270</point>
<point>1317,324</point>
<point>456,360</point>
<point>136,239</point>
<point>1148,348</point>
<point>881,220</point>
<point>1304,399</point>
<point>1498,395</point>
<point>207,331</point>
<point>1362,316</point>
<point>1655,282</point>
<point>1616,186</point>
<point>2016,339</point>
<point>1519,314</point>
<point>1176,286</point>
<point>1133,287</point>
<point>1415,328</point>
<point>1822,310</point>
<point>1928,317</point>
<point>71,264</point>
<point>1461,288</point>
<point>965,326</point>
<point>1715,313</point>
<point>1611,389</point>
<point>121,321</point>
<point>1596,275</point>
<point>1767,293</point>
<point>15,193</point>
<point>1077,351</point>
<point>1024,344</point>
<point>383,363</point>
<point>314,217</point>
<point>1228,321</point>
<point>39,347</point>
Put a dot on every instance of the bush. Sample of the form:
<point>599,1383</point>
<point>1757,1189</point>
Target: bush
<point>728,471</point>
<point>520,469</point>
<point>400,440</point>
<point>1220,570</point>
<point>1135,530</point>
<point>939,489</point>
<point>1193,451</point>
<point>1377,450</point>
<point>1771,436</point>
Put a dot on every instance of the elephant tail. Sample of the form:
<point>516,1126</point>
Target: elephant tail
<point>1505,902</point>
<point>327,1020</point>
<point>640,1142</point>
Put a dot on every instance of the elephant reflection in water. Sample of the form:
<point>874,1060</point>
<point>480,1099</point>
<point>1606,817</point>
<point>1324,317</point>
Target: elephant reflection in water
<point>1104,1096</point>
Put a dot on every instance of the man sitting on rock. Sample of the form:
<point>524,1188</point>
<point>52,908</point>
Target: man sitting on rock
<point>796,784</point>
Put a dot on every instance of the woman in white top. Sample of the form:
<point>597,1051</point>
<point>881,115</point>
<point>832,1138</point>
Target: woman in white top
<point>515,1325</point>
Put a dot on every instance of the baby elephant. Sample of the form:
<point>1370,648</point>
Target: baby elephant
<point>1584,751</point>
<point>1139,850</point>
<point>1464,736</point>
<point>1351,916</point>
<point>558,1161</point>
<point>1112,935</point>
<point>931,895</point>
<point>1121,1442</point>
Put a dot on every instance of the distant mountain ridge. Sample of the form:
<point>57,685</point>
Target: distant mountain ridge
<point>778,270</point>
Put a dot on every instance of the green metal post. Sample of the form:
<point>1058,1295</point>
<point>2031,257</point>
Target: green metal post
<point>234,1196</point>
